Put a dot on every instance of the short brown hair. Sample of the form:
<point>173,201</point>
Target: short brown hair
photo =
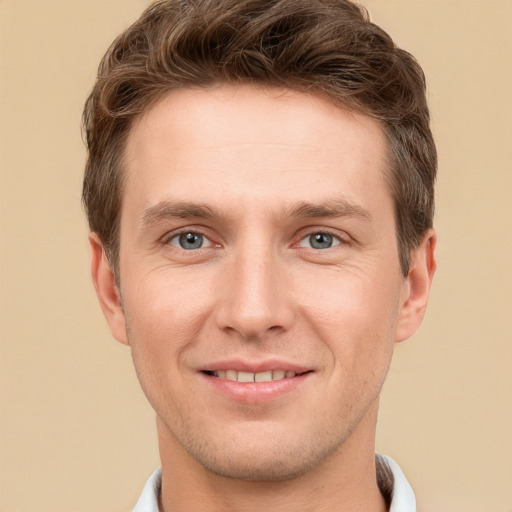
<point>328,47</point>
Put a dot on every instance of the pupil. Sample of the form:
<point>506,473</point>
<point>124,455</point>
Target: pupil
<point>190,241</point>
<point>320,240</point>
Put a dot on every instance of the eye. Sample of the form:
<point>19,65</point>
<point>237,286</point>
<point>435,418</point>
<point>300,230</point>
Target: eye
<point>320,241</point>
<point>190,241</point>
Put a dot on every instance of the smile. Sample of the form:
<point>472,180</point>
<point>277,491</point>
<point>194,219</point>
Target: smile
<point>256,387</point>
<point>243,376</point>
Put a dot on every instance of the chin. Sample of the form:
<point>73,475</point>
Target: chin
<point>275,470</point>
<point>263,460</point>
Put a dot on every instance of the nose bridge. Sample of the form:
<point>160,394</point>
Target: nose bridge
<point>256,296</point>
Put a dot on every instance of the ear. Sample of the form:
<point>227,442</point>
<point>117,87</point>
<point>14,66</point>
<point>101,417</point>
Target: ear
<point>416,287</point>
<point>107,289</point>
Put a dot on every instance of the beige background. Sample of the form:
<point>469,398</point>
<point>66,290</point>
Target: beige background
<point>76,433</point>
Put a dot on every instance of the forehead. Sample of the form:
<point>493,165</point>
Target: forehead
<point>253,142</point>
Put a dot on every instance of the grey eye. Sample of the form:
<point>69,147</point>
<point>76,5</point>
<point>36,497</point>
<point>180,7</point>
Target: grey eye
<point>320,241</point>
<point>190,241</point>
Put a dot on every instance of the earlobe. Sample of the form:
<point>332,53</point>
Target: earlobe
<point>107,290</point>
<point>416,287</point>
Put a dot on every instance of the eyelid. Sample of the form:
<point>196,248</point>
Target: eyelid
<point>175,234</point>
<point>305,240</point>
<point>341,237</point>
<point>174,241</point>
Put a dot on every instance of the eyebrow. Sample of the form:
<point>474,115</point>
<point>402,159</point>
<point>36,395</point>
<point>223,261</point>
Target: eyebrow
<point>333,208</point>
<point>177,210</point>
<point>330,208</point>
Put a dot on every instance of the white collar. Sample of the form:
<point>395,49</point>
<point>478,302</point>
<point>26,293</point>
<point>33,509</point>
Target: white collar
<point>402,499</point>
<point>402,496</point>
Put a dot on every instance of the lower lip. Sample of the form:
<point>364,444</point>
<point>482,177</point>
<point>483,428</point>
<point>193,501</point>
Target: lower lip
<point>255,392</point>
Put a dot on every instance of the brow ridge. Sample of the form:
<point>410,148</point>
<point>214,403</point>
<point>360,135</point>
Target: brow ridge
<point>180,210</point>
<point>184,210</point>
<point>329,208</point>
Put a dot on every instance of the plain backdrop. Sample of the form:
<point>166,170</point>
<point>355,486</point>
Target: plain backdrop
<point>76,432</point>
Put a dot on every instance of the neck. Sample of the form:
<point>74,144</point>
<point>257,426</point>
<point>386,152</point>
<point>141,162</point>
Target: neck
<point>345,481</point>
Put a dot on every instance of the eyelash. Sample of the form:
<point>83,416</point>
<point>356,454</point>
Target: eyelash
<point>336,238</point>
<point>176,236</point>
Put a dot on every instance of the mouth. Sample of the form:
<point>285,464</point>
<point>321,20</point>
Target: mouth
<point>255,382</point>
<point>248,377</point>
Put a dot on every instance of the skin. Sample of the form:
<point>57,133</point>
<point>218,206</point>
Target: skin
<point>255,174</point>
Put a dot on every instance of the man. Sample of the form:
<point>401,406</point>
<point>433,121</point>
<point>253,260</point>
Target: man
<point>259,190</point>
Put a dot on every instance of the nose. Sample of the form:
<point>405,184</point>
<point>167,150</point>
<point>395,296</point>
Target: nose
<point>256,299</point>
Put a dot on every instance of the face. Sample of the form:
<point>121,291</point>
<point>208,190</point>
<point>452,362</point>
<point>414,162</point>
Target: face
<point>260,283</point>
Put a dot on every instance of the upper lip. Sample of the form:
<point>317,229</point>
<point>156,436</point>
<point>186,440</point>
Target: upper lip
<point>254,366</point>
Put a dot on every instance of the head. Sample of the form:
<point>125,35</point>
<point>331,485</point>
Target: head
<point>324,47</point>
<point>259,188</point>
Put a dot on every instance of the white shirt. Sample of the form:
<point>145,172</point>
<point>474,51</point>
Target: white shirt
<point>402,496</point>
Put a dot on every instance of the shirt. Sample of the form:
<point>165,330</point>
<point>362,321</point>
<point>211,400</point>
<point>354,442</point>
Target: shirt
<point>392,483</point>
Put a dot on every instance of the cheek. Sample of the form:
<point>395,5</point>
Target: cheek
<point>165,314</point>
<point>351,296</point>
<point>356,316</point>
<point>163,321</point>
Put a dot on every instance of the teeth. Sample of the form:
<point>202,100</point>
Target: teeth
<point>278,374</point>
<point>231,375</point>
<point>263,377</point>
<point>245,377</point>
<point>266,376</point>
